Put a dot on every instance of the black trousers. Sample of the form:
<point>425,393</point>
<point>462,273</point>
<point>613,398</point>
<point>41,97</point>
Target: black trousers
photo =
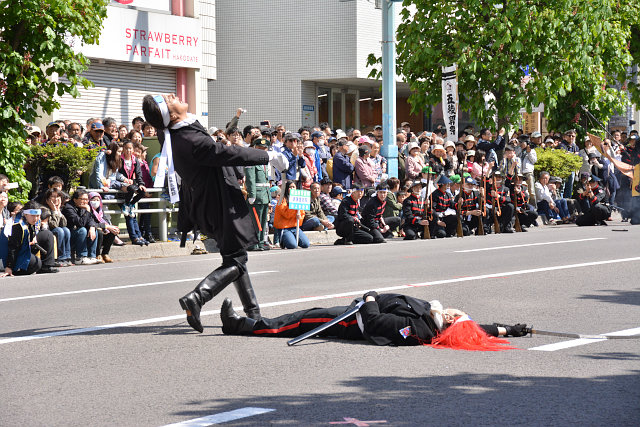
<point>46,240</point>
<point>133,194</point>
<point>506,215</point>
<point>394,224</point>
<point>471,226</point>
<point>412,232</point>
<point>527,218</point>
<point>349,231</point>
<point>451,223</point>
<point>35,264</point>
<point>593,216</point>
<point>105,240</point>
<point>295,324</point>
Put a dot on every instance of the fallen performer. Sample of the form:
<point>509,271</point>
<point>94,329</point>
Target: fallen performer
<point>385,319</point>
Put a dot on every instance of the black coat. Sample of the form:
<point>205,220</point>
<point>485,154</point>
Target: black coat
<point>385,317</point>
<point>77,217</point>
<point>210,197</point>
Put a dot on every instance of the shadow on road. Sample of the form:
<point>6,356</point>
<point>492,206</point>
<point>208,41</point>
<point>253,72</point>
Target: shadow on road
<point>631,297</point>
<point>464,399</point>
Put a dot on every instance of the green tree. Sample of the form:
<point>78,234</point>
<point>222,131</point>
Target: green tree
<point>36,45</point>
<point>566,44</point>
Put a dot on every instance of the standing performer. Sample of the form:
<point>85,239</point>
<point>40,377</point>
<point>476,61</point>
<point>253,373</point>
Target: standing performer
<point>212,200</point>
<point>385,319</point>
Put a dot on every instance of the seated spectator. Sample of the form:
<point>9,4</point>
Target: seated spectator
<point>563,214</point>
<point>58,226</point>
<point>337,194</point>
<point>325,200</point>
<point>286,220</point>
<point>54,182</point>
<point>546,204</point>
<point>314,218</point>
<point>104,173</point>
<point>19,250</point>
<point>84,240</point>
<point>393,206</point>
<point>107,232</point>
<point>348,223</point>
<point>414,161</point>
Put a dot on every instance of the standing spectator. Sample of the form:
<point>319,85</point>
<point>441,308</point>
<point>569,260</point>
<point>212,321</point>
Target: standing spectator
<point>134,191</point>
<point>134,136</point>
<point>414,161</point>
<point>491,148</point>
<point>84,240</point>
<point>110,130</point>
<point>286,220</point>
<point>322,153</point>
<point>74,129</point>
<point>365,174</point>
<point>294,157</point>
<point>570,146</point>
<point>52,132</point>
<point>5,217</point>
<point>379,164</point>
<point>107,232</point>
<point>257,185</point>
<point>342,166</point>
<point>140,152</point>
<point>528,159</point>
<point>95,137</point>
<point>24,243</point>
<point>58,226</point>
<point>148,130</point>
<point>314,218</point>
<point>314,175</point>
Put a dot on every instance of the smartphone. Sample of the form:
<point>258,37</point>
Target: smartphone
<point>265,123</point>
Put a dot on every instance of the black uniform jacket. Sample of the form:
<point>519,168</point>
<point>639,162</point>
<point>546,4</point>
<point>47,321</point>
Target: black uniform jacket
<point>210,197</point>
<point>372,213</point>
<point>390,314</point>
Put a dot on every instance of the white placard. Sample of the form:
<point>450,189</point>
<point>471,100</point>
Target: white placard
<point>450,102</point>
<point>148,38</point>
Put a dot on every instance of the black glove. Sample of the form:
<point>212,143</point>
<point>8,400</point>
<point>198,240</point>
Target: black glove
<point>370,294</point>
<point>517,330</point>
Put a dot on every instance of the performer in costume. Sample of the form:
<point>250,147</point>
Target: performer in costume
<point>444,210</point>
<point>385,319</point>
<point>211,199</point>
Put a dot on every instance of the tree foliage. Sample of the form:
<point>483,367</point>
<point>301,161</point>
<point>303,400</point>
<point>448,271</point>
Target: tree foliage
<point>36,38</point>
<point>557,162</point>
<point>571,48</point>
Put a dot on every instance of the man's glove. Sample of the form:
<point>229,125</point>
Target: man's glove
<point>518,330</point>
<point>370,294</point>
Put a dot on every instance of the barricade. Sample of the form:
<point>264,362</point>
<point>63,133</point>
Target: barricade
<point>163,208</point>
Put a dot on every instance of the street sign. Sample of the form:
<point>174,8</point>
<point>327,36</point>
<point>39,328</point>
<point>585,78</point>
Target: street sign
<point>300,200</point>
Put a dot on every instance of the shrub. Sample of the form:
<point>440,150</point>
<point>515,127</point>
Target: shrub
<point>66,161</point>
<point>557,162</point>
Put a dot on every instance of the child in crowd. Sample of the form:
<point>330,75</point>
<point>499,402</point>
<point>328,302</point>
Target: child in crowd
<point>140,152</point>
<point>58,225</point>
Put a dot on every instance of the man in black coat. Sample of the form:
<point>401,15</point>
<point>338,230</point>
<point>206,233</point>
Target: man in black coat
<point>385,319</point>
<point>211,199</point>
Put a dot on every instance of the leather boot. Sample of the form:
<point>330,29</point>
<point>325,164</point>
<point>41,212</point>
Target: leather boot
<point>247,296</point>
<point>232,324</point>
<point>211,286</point>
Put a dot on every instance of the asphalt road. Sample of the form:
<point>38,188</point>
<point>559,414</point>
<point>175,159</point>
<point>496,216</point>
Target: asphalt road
<point>108,345</point>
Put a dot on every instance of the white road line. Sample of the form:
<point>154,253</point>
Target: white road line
<point>493,248</point>
<point>584,341</point>
<point>325,297</point>
<point>113,288</point>
<point>222,417</point>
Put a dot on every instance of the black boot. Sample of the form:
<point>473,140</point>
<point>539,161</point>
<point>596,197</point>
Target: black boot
<point>232,324</point>
<point>247,296</point>
<point>211,286</point>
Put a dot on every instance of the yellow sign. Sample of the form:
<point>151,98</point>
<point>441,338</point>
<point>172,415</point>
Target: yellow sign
<point>530,122</point>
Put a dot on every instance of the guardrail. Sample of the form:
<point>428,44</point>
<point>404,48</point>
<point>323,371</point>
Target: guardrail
<point>164,207</point>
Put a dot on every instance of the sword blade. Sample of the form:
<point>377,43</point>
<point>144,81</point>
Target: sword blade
<point>324,326</point>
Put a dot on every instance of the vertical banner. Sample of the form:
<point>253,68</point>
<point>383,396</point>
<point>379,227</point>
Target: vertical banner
<point>450,102</point>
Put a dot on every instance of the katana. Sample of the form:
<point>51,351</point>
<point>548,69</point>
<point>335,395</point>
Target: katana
<point>327,325</point>
<point>583,336</point>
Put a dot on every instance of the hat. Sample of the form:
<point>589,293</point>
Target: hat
<point>455,178</point>
<point>449,144</point>
<point>437,147</point>
<point>309,144</point>
<point>497,173</point>
<point>340,134</point>
<point>261,142</point>
<point>443,180</point>
<point>412,145</point>
<point>317,134</point>
<point>213,130</point>
<point>350,147</point>
<point>594,178</point>
<point>427,169</point>
<point>469,180</point>
<point>458,142</point>
<point>536,134</point>
<point>593,155</point>
<point>405,124</point>
<point>469,138</point>
<point>471,153</point>
<point>523,137</point>
<point>365,140</point>
<point>274,189</point>
<point>377,127</point>
<point>570,132</point>
<point>33,129</point>
<point>56,124</point>
<point>95,126</point>
<point>585,175</point>
<point>558,179</point>
<point>336,191</point>
<point>548,140</point>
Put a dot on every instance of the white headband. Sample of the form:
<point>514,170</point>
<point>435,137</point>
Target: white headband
<point>164,109</point>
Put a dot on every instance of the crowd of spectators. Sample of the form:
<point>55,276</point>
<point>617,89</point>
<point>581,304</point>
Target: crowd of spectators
<point>478,174</point>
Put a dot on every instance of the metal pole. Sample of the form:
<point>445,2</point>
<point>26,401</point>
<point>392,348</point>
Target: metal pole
<point>389,149</point>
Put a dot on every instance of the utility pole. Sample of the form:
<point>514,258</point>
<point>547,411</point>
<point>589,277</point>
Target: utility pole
<point>389,149</point>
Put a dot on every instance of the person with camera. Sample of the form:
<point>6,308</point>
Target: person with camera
<point>528,159</point>
<point>591,198</point>
<point>24,243</point>
<point>348,223</point>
